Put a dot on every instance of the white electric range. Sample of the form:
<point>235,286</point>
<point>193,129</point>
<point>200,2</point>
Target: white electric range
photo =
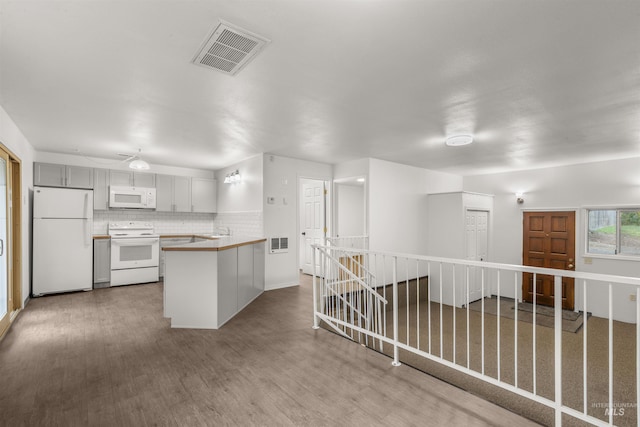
<point>135,253</point>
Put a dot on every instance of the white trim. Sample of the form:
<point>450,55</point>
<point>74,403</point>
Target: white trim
<point>281,286</point>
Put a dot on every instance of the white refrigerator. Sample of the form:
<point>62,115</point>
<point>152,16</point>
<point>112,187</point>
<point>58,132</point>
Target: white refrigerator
<point>62,240</point>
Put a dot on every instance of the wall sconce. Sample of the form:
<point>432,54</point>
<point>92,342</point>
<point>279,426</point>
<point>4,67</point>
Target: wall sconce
<point>519,198</point>
<point>233,177</point>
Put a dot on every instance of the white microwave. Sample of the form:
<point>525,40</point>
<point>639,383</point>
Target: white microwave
<point>132,197</point>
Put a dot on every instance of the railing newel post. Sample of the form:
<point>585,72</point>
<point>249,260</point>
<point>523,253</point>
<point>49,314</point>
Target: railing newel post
<point>316,320</point>
<point>396,361</point>
<point>557,353</point>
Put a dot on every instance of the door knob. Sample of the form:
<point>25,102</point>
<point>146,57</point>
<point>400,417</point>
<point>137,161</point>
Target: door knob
<point>304,233</point>
<point>570,266</point>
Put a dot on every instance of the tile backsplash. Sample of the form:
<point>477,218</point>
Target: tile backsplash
<point>240,223</point>
<point>163,222</point>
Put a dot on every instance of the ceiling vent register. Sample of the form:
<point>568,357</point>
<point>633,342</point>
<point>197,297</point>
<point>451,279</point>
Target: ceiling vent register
<point>229,48</point>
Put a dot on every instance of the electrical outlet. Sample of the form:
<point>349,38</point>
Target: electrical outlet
<point>632,297</point>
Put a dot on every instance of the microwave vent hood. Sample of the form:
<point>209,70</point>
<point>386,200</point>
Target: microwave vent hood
<point>132,197</point>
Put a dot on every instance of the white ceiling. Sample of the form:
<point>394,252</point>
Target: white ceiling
<point>538,82</point>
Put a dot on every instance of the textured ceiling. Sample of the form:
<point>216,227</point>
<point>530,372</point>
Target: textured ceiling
<point>537,82</point>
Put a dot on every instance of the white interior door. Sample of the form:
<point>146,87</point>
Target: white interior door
<point>4,282</point>
<point>312,221</point>
<point>477,237</point>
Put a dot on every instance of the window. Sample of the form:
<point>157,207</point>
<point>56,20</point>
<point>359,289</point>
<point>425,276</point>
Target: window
<point>613,232</point>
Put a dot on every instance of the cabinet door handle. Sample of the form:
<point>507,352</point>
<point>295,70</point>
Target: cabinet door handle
<point>1,247</point>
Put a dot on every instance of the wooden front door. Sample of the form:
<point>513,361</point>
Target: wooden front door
<point>548,241</point>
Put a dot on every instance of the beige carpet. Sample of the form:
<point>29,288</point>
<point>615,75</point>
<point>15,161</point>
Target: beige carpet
<point>571,321</point>
<point>572,344</point>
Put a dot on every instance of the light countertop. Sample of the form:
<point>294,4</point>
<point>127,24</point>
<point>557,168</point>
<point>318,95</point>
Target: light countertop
<point>165,236</point>
<point>216,243</point>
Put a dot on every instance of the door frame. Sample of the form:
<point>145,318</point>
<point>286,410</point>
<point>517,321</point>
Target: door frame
<point>14,236</point>
<point>576,237</point>
<point>300,204</point>
<point>489,283</point>
<point>334,211</point>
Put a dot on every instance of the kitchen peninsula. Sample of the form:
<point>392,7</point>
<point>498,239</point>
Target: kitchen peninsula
<point>206,283</point>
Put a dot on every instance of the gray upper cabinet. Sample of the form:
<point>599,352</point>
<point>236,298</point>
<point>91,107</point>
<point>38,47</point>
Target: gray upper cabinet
<point>164,193</point>
<point>126,178</point>
<point>54,175</point>
<point>182,193</point>
<point>173,193</point>
<point>203,195</point>
<point>100,189</point>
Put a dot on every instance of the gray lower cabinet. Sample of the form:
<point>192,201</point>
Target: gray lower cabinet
<point>250,273</point>
<point>240,278</point>
<point>205,288</point>
<point>258,268</point>
<point>227,284</point>
<point>101,261</point>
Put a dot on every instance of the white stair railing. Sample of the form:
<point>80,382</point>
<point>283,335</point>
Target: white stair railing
<point>347,296</point>
<point>434,322</point>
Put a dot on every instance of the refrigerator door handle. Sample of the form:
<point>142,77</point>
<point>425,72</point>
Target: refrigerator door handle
<point>87,232</point>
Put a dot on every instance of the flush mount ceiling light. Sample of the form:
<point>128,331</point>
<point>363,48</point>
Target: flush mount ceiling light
<point>458,140</point>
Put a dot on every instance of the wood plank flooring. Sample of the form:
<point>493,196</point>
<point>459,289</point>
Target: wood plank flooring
<point>108,357</point>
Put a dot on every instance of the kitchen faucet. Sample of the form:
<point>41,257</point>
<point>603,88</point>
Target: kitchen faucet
<point>223,230</point>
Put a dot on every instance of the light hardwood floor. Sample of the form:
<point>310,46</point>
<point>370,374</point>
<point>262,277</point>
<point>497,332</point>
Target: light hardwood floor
<point>108,358</point>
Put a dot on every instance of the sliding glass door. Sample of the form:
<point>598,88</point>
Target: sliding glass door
<point>5,288</point>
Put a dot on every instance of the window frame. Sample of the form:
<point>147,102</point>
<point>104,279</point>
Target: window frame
<point>617,255</point>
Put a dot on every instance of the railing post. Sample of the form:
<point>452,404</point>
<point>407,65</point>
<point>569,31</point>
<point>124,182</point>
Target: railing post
<point>557,299</point>
<point>396,361</point>
<point>637,352</point>
<point>316,322</point>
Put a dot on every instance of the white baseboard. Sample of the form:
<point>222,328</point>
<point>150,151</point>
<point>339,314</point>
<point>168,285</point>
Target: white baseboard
<point>280,286</point>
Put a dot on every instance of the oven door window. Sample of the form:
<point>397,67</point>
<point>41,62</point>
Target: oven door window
<point>136,253</point>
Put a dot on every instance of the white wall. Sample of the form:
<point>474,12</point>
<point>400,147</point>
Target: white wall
<point>15,141</point>
<point>240,204</point>
<point>352,168</point>
<point>610,183</point>
<point>397,204</point>
<point>245,196</point>
<point>281,175</point>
